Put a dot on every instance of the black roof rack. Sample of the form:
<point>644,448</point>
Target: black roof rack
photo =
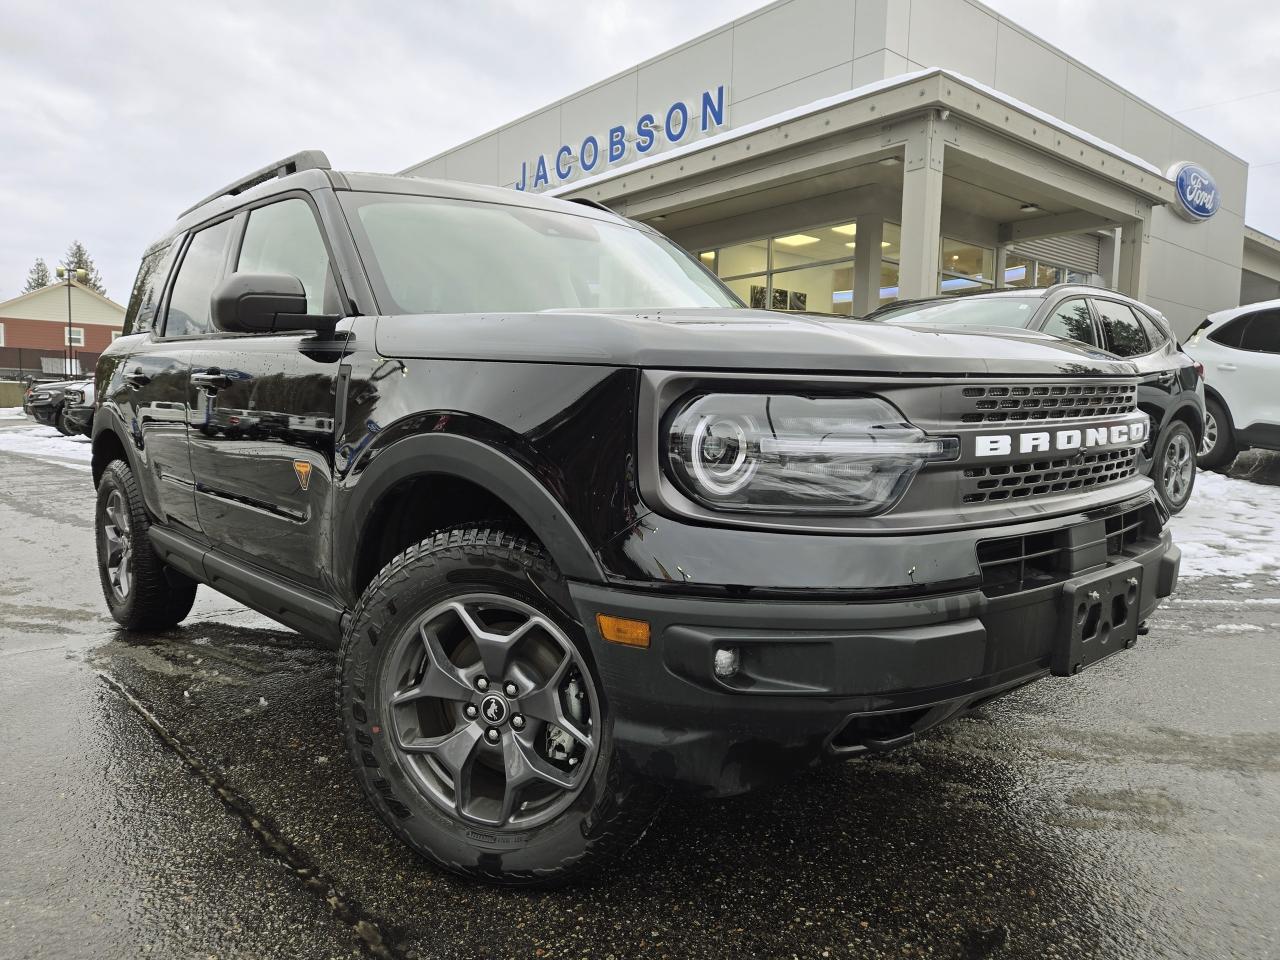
<point>306,160</point>
<point>594,204</point>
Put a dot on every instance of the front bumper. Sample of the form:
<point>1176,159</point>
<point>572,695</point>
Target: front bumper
<point>80,419</point>
<point>821,678</point>
<point>45,412</point>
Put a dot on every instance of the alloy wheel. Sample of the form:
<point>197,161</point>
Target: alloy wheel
<point>491,709</point>
<point>1179,466</point>
<point>1210,438</point>
<point>117,536</point>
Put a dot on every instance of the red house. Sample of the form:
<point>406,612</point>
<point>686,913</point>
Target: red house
<point>36,338</point>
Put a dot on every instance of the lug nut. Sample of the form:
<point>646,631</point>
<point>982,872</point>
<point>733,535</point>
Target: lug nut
<point>471,711</point>
<point>482,684</point>
<point>492,735</point>
<point>509,689</point>
<point>517,721</point>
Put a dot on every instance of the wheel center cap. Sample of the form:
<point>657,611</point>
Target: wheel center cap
<point>494,709</point>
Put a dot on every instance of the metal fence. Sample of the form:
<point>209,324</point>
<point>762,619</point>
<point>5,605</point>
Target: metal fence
<point>23,363</point>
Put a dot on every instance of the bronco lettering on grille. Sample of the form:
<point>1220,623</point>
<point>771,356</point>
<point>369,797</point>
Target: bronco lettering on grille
<point>1046,441</point>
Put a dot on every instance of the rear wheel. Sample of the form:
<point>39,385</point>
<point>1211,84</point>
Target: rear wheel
<point>474,717</point>
<point>1217,448</point>
<point>137,588</point>
<point>1175,466</point>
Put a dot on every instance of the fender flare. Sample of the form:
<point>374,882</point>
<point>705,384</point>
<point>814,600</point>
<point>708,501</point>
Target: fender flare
<point>1174,414</point>
<point>107,421</point>
<point>467,459</point>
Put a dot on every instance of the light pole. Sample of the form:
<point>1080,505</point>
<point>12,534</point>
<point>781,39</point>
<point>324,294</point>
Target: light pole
<point>64,274</point>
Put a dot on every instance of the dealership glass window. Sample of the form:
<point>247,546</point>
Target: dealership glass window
<point>1019,272</point>
<point>965,266</point>
<point>810,269</point>
<point>73,337</point>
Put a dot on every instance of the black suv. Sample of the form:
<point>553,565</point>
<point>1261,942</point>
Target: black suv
<point>581,524</point>
<point>1170,385</point>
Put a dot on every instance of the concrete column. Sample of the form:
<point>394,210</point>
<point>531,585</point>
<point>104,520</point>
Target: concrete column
<point>1131,274</point>
<point>1109,258</point>
<point>866,264</point>
<point>1002,259</point>
<point>921,212</point>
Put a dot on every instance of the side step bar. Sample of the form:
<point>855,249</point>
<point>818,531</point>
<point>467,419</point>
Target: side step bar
<point>311,614</point>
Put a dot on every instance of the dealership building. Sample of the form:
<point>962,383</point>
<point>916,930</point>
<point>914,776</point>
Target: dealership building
<point>832,155</point>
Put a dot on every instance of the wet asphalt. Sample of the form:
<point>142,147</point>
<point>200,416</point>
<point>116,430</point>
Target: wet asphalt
<point>187,795</point>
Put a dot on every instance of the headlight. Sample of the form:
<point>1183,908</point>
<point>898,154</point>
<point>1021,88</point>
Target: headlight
<point>788,454</point>
<point>40,396</point>
<point>74,396</point>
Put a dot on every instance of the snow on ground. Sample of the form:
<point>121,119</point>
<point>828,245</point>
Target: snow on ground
<point>1231,528</point>
<point>47,444</point>
<point>12,413</point>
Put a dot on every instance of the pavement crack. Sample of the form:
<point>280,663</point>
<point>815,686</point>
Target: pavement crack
<point>260,826</point>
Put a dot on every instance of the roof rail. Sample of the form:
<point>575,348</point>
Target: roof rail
<point>306,160</point>
<point>594,204</point>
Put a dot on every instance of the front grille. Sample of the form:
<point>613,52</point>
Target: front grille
<point>1012,564</point>
<point>1021,481</point>
<point>1032,402</point>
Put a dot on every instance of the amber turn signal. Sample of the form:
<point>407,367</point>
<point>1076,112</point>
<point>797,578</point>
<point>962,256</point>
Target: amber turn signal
<point>631,633</point>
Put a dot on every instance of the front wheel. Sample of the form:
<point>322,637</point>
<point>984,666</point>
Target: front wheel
<point>1218,448</point>
<point>60,422</point>
<point>136,586</point>
<point>1175,467</point>
<point>474,717</point>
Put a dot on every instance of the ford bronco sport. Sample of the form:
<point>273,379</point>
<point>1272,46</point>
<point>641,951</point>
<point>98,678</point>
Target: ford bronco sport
<point>578,522</point>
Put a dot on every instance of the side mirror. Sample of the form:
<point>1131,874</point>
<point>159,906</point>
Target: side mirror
<point>264,303</point>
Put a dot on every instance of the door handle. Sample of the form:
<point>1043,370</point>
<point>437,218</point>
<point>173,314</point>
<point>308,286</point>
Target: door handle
<point>211,380</point>
<point>1228,367</point>
<point>136,379</point>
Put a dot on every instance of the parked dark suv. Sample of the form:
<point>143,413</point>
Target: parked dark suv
<point>580,524</point>
<point>1170,384</point>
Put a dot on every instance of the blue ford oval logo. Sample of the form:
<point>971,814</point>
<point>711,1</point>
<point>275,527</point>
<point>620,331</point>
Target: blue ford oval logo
<point>1198,196</point>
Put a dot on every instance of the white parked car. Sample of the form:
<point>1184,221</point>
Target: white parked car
<point>1240,351</point>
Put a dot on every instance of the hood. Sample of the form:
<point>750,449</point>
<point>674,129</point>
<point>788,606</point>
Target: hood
<point>738,340</point>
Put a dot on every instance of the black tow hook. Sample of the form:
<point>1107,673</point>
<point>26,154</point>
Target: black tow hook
<point>1143,629</point>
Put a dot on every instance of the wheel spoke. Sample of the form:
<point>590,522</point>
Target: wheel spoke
<point>523,766</point>
<point>543,703</point>
<point>495,648</point>
<point>441,679</point>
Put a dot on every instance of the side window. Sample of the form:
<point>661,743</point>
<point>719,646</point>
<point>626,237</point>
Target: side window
<point>1124,335</point>
<point>1155,333</point>
<point>1262,335</point>
<point>1072,321</point>
<point>1229,333</point>
<point>148,286</point>
<point>201,268</point>
<point>285,238</point>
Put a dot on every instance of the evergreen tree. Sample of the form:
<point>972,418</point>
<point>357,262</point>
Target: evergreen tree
<point>38,276</point>
<point>78,258</point>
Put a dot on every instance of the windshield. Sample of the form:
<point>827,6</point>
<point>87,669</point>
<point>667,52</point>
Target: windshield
<point>431,255</point>
<point>975,312</point>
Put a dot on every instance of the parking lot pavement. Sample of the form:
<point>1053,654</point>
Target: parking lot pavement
<point>187,794</point>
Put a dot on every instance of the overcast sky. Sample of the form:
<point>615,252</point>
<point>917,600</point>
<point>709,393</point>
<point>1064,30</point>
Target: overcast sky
<point>115,116</point>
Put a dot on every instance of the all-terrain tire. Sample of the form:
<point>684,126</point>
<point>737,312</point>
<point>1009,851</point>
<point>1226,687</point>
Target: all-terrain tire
<point>1222,452</point>
<point>60,421</point>
<point>612,809</point>
<point>153,601</point>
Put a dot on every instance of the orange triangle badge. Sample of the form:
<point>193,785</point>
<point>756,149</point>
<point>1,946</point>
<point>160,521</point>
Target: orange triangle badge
<point>303,470</point>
